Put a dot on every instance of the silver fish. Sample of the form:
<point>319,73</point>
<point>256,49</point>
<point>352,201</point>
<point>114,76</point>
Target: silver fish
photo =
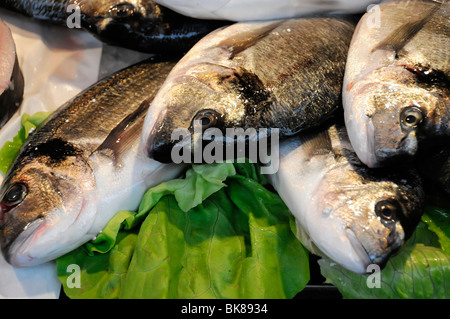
<point>80,168</point>
<point>344,210</point>
<point>396,86</point>
<point>11,77</point>
<point>284,74</point>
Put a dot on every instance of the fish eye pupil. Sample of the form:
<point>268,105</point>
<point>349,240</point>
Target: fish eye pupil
<point>387,209</point>
<point>122,10</point>
<point>410,119</point>
<point>205,121</point>
<point>207,118</point>
<point>412,116</point>
<point>15,195</point>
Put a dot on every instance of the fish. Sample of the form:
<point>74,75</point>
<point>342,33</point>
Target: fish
<point>251,10</point>
<point>396,84</point>
<point>12,82</point>
<point>284,74</point>
<point>343,210</point>
<point>140,25</point>
<point>81,167</point>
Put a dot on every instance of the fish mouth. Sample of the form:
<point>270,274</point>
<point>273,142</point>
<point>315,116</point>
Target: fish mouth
<point>368,258</point>
<point>15,251</point>
<point>158,145</point>
<point>362,256</point>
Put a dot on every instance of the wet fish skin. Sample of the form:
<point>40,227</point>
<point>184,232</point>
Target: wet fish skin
<point>140,25</point>
<point>11,78</point>
<point>284,74</point>
<point>396,85</point>
<point>344,210</point>
<point>81,167</point>
<point>252,10</point>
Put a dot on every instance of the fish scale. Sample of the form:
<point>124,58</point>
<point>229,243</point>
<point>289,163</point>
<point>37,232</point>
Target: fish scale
<point>339,205</point>
<point>278,74</point>
<point>81,167</point>
<point>396,94</point>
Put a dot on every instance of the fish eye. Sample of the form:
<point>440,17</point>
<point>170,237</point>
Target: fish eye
<point>411,116</point>
<point>207,118</point>
<point>122,10</point>
<point>15,195</point>
<point>387,209</point>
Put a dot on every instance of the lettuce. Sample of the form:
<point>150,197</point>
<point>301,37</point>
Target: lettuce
<point>10,150</point>
<point>213,234</point>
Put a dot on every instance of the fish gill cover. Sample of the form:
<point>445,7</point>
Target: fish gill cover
<point>219,233</point>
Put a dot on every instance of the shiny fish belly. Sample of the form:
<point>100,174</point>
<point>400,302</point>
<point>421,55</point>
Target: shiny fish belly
<point>284,74</point>
<point>396,86</point>
<point>251,10</point>
<point>345,211</point>
<point>80,168</point>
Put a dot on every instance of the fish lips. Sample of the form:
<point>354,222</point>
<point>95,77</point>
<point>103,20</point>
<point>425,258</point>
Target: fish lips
<point>14,249</point>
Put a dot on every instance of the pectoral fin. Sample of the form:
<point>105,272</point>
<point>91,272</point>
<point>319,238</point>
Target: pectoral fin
<point>245,40</point>
<point>124,135</point>
<point>399,37</point>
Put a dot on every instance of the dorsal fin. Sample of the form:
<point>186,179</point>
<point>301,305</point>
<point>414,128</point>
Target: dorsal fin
<point>123,136</point>
<point>245,40</point>
<point>399,37</point>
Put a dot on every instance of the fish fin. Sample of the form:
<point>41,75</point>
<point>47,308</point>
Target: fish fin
<point>398,38</point>
<point>124,134</point>
<point>245,40</point>
<point>316,144</point>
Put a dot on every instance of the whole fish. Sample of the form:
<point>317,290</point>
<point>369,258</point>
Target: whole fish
<point>247,10</point>
<point>11,78</point>
<point>138,24</point>
<point>344,210</point>
<point>284,74</point>
<point>396,86</point>
<point>80,168</point>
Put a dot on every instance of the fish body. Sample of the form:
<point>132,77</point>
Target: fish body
<point>250,10</point>
<point>80,168</point>
<point>396,86</point>
<point>284,74</point>
<point>140,25</point>
<point>11,77</point>
<point>344,210</point>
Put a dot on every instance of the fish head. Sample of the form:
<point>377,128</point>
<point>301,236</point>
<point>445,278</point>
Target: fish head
<point>368,219</point>
<point>117,21</point>
<point>185,109</point>
<point>388,122</point>
<point>46,209</point>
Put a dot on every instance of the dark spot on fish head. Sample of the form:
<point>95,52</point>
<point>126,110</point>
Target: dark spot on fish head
<point>187,109</point>
<point>38,192</point>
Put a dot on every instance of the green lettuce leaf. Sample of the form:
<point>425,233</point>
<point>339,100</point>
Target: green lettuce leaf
<point>11,149</point>
<point>213,234</point>
<point>421,269</point>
